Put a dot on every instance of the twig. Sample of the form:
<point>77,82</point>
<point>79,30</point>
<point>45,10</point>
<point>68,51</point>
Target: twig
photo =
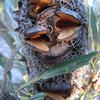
<point>8,67</point>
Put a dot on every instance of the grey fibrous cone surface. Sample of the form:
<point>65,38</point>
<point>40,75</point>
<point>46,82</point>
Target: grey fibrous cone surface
<point>51,34</point>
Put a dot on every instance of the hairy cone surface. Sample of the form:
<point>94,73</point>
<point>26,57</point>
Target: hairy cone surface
<point>51,32</point>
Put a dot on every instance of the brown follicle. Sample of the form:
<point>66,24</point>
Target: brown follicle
<point>68,33</point>
<point>40,1</point>
<point>68,17</point>
<point>39,44</point>
<point>55,96</point>
<point>40,5</point>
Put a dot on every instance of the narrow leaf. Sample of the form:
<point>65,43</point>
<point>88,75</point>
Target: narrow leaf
<point>82,96</point>
<point>11,88</point>
<point>39,96</point>
<point>1,98</point>
<point>10,75</point>
<point>68,67</point>
<point>94,28</point>
<point>9,39</point>
<point>2,61</point>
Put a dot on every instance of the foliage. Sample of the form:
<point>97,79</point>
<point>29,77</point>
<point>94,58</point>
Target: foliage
<point>2,60</point>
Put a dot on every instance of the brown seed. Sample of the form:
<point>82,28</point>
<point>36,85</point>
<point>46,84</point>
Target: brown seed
<point>40,5</point>
<point>40,1</point>
<point>38,34</point>
<point>39,44</point>
<point>35,32</point>
<point>67,33</point>
<point>55,96</point>
<point>68,17</point>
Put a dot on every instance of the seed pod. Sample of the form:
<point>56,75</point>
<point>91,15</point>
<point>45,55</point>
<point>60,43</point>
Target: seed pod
<point>62,87</point>
<point>68,15</point>
<point>35,32</point>
<point>40,2</point>
<point>68,33</point>
<point>39,44</point>
<point>40,5</point>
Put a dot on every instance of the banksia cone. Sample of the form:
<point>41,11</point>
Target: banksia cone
<point>52,31</point>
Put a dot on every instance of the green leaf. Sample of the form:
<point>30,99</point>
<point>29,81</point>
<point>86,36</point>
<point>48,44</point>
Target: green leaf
<point>82,96</point>
<point>68,67</point>
<point>24,98</point>
<point>2,61</point>
<point>94,29</point>
<point>39,96</point>
<point>9,39</point>
<point>11,88</point>
<point>25,93</point>
<point>9,75</point>
<point>95,95</point>
<point>1,98</point>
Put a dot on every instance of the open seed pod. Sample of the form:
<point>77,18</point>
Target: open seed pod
<point>40,2</point>
<point>39,5</point>
<point>68,15</point>
<point>49,12</point>
<point>59,88</point>
<point>39,44</point>
<point>68,33</point>
<point>67,24</point>
<point>35,32</point>
<point>37,37</point>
